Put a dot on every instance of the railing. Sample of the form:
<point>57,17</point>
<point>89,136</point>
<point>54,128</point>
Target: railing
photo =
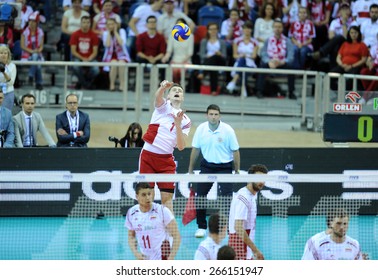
<point>321,82</point>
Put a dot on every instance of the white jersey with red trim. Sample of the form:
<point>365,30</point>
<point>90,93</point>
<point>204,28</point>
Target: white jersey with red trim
<point>322,247</point>
<point>161,137</point>
<point>244,207</point>
<point>360,10</point>
<point>207,250</point>
<point>150,228</point>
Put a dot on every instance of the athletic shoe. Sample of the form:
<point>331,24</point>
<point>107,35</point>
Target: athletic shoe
<point>200,233</point>
<point>230,86</point>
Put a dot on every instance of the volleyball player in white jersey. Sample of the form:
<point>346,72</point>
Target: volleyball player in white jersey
<point>168,129</point>
<point>242,221</point>
<point>150,225</point>
<point>208,249</point>
<point>336,245</point>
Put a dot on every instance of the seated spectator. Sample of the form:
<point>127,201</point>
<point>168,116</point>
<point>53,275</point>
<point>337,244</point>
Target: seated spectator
<point>277,53</point>
<point>361,9</point>
<point>27,123</point>
<point>84,47</point>
<point>26,11</point>
<point>72,127</point>
<point>71,23</point>
<point>243,6</point>
<point>150,45</point>
<point>6,35</point>
<point>68,4</point>
<point>231,29</point>
<point>114,39</point>
<point>245,52</point>
<point>320,14</point>
<point>352,56</point>
<point>213,52</point>
<point>133,137</point>
<point>369,27</point>
<point>337,35</point>
<point>137,23</point>
<point>32,41</point>
<point>6,125</point>
<point>98,4</point>
<point>302,33</point>
<point>99,21</point>
<point>278,6</point>
<point>371,68</point>
<point>169,18</point>
<point>179,53</point>
<point>264,25</point>
<point>290,11</point>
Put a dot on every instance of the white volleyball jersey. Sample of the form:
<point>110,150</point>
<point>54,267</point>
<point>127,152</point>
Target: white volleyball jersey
<point>207,250</point>
<point>322,247</point>
<point>150,228</point>
<point>161,137</point>
<point>244,207</point>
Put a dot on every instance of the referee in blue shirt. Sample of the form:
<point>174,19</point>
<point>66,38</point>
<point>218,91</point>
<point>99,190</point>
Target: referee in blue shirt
<point>219,146</point>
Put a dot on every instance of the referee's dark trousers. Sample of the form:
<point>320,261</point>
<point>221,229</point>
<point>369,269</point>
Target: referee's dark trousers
<point>224,193</point>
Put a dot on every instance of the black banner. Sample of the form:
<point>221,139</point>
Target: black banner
<point>58,199</point>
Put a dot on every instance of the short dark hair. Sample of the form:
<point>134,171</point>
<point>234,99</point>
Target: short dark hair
<point>28,95</point>
<point>278,20</point>
<point>216,223</point>
<point>142,186</point>
<point>248,24</point>
<point>372,6</point>
<point>226,253</point>
<point>175,85</point>
<point>150,18</point>
<point>84,17</point>
<point>213,107</point>
<point>335,213</point>
<point>258,168</point>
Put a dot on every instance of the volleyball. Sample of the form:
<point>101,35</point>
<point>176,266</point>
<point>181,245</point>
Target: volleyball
<point>181,32</point>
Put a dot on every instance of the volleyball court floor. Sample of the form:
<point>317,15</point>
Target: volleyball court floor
<point>62,238</point>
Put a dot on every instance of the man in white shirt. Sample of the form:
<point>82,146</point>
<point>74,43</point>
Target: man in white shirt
<point>336,245</point>
<point>369,28</point>
<point>150,225</point>
<point>208,249</point>
<point>169,18</point>
<point>219,146</point>
<point>242,221</point>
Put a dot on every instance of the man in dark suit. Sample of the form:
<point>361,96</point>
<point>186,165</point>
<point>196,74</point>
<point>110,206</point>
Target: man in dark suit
<point>72,126</point>
<point>27,123</point>
<point>6,125</point>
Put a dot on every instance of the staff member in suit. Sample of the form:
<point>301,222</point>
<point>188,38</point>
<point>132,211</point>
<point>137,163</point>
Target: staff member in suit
<point>6,125</point>
<point>27,123</point>
<point>72,126</point>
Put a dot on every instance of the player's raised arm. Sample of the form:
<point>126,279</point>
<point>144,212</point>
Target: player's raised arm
<point>159,94</point>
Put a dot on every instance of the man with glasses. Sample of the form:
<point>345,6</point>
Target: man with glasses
<point>72,126</point>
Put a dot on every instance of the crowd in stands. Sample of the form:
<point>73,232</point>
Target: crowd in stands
<point>315,35</point>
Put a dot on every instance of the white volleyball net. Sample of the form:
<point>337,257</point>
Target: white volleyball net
<point>55,215</point>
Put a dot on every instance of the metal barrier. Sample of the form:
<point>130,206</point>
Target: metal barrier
<point>139,69</point>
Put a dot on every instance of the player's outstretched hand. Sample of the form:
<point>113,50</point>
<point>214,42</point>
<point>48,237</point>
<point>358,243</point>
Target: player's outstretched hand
<point>166,84</point>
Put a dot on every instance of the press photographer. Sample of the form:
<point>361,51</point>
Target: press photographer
<point>8,74</point>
